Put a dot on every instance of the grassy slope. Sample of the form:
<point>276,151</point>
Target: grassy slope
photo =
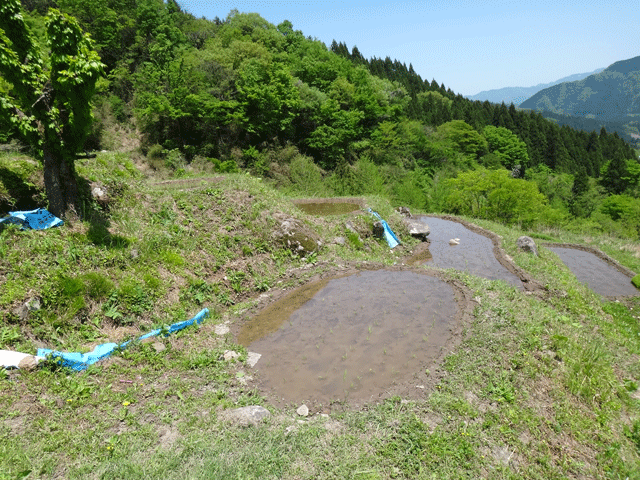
<point>541,386</point>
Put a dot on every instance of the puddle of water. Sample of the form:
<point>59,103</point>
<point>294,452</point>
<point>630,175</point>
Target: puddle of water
<point>328,208</point>
<point>354,337</point>
<point>423,256</point>
<point>474,254</point>
<point>599,276</point>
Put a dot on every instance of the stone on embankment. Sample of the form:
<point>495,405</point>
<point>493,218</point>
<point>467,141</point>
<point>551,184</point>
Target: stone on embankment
<point>245,416</point>
<point>527,244</point>
<point>378,230</point>
<point>417,229</point>
<point>294,235</point>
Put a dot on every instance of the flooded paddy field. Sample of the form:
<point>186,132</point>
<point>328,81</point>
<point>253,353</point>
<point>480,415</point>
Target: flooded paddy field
<point>597,271</point>
<point>329,206</point>
<point>354,338</point>
<point>475,254</point>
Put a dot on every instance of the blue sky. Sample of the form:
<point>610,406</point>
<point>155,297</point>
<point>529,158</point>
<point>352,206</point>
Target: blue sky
<point>468,45</point>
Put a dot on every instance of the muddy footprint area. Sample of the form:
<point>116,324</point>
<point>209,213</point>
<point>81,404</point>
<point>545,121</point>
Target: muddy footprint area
<point>598,271</point>
<point>356,338</point>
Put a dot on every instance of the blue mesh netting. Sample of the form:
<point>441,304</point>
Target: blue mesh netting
<point>38,219</point>
<point>389,236</point>
<point>80,361</point>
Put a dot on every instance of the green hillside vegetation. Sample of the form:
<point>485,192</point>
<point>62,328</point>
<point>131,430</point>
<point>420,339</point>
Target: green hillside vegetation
<point>543,385</point>
<point>204,133</point>
<point>241,93</point>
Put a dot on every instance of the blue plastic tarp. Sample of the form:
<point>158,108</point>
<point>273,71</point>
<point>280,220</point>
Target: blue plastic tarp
<point>38,219</point>
<point>389,236</point>
<point>80,361</point>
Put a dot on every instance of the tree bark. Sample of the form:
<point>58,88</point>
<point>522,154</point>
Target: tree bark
<point>60,184</point>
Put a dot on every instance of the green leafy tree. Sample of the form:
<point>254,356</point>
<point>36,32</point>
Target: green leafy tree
<point>464,138</point>
<point>50,108</point>
<point>494,195</point>
<point>506,145</point>
<point>269,98</point>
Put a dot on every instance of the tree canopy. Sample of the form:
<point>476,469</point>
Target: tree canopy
<point>49,106</point>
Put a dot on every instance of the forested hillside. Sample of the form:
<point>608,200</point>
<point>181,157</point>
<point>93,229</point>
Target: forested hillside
<point>613,94</point>
<point>610,97</point>
<point>241,93</point>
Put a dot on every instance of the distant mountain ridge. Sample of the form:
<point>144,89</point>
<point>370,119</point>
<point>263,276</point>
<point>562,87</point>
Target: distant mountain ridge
<point>517,95</point>
<point>610,95</point>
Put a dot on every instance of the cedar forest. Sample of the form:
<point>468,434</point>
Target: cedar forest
<point>243,94</point>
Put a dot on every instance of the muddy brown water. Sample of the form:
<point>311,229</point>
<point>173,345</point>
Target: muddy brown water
<point>598,275</point>
<point>351,338</point>
<point>475,253</point>
<point>328,208</point>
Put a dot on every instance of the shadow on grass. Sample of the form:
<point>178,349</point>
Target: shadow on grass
<point>97,214</point>
<point>21,194</point>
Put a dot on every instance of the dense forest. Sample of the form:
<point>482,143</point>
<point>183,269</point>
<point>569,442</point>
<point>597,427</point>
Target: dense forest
<point>241,93</point>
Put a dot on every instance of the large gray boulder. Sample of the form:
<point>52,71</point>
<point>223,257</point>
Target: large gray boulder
<point>417,229</point>
<point>527,244</point>
<point>296,236</point>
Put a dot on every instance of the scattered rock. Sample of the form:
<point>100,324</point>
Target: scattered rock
<point>417,229</point>
<point>252,358</point>
<point>230,355</point>
<point>28,363</point>
<point>349,226</point>
<point>339,240</point>
<point>454,241</point>
<point>303,410</point>
<point>527,244</point>
<point>404,211</point>
<point>99,193</point>
<point>293,234</point>
<point>290,429</point>
<point>245,416</point>
<point>378,229</point>
<point>222,329</point>
<point>159,346</point>
<point>31,305</point>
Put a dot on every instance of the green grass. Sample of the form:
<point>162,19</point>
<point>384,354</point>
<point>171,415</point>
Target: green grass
<point>539,385</point>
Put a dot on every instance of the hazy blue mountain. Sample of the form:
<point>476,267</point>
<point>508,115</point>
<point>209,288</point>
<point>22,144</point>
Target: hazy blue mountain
<point>613,94</point>
<point>517,95</point>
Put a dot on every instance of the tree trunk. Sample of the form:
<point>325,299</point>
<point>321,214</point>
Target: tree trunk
<point>60,184</point>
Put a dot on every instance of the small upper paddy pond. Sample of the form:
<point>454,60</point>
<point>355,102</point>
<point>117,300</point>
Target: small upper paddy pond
<point>352,338</point>
<point>601,277</point>
<point>327,207</point>
<point>475,254</point>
